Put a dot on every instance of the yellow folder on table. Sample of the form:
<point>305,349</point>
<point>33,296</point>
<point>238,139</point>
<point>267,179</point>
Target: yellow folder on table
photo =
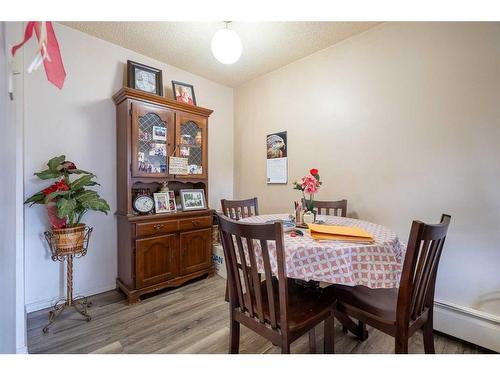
<point>339,233</point>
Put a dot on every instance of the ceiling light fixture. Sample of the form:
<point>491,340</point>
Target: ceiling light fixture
<point>226,45</point>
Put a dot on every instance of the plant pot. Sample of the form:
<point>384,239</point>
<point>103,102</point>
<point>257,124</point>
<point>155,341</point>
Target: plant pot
<point>69,240</point>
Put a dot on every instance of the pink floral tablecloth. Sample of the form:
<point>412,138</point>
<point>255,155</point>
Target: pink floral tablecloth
<point>376,265</point>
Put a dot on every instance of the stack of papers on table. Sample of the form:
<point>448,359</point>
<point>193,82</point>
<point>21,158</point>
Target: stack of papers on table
<point>339,233</point>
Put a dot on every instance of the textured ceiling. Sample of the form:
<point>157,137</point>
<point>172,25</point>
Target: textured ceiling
<point>186,45</point>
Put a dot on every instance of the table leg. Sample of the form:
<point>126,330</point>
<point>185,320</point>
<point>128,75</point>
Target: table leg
<point>348,324</point>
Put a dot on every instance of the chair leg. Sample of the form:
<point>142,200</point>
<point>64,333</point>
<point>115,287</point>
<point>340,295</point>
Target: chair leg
<point>401,345</point>
<point>362,332</point>
<point>234,337</point>
<point>329,345</point>
<point>285,348</point>
<point>226,296</point>
<point>312,341</point>
<point>348,325</point>
<point>428,331</point>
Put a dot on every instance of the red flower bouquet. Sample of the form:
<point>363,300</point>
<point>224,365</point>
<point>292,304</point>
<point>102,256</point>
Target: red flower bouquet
<point>309,184</point>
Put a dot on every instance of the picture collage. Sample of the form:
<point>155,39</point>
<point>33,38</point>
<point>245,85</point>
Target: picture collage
<point>152,154</point>
<point>191,148</point>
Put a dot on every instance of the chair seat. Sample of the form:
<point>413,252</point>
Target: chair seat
<point>379,302</point>
<point>306,304</point>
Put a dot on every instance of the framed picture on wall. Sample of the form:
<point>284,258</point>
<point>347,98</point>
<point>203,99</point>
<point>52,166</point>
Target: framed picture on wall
<point>183,92</point>
<point>145,78</point>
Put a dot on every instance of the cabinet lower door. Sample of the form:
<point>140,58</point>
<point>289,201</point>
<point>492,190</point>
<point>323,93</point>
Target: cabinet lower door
<point>156,260</point>
<point>195,250</point>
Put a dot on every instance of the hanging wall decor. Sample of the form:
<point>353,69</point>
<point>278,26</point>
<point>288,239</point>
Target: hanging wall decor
<point>48,51</point>
<point>277,160</point>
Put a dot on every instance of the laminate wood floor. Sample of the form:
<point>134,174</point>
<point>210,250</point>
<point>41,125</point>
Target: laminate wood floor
<point>190,319</point>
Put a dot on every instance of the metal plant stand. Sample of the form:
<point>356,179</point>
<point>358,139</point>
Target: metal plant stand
<point>79,303</point>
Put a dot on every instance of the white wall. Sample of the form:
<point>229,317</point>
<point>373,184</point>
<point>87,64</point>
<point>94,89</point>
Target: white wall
<point>403,121</point>
<point>79,121</point>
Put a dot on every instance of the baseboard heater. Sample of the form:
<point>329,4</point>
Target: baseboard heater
<point>468,324</point>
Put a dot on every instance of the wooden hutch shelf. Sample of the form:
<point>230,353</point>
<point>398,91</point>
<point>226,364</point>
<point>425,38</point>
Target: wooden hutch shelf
<point>157,251</point>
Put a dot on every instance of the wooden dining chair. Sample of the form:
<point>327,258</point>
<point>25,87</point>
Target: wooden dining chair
<point>334,208</point>
<point>236,210</point>
<point>239,209</point>
<point>274,308</point>
<point>401,312</point>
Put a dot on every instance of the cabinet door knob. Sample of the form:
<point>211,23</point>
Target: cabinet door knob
<point>158,226</point>
<point>195,223</point>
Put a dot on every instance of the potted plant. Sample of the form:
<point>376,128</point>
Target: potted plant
<point>309,184</point>
<point>67,201</point>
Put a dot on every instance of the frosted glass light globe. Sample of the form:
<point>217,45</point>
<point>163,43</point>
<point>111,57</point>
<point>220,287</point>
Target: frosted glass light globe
<point>226,46</point>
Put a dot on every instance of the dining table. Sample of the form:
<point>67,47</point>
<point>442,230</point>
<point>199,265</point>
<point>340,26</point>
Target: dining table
<point>374,265</point>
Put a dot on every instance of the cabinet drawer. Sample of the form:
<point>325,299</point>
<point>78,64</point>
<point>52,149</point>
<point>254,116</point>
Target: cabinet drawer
<point>157,227</point>
<point>195,223</point>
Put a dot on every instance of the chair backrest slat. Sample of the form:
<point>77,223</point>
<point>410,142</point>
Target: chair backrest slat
<point>234,268</point>
<point>241,244</point>
<point>239,209</point>
<point>269,284</point>
<point>254,273</point>
<point>419,271</point>
<point>334,208</point>
<point>418,278</point>
<point>248,305</point>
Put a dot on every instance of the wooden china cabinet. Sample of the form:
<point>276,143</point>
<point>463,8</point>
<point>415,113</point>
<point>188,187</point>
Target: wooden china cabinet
<point>157,251</point>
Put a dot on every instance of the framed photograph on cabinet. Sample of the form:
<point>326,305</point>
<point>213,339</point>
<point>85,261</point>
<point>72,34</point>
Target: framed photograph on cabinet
<point>162,203</point>
<point>159,133</point>
<point>144,78</point>
<point>183,92</point>
<point>171,201</point>
<point>184,151</point>
<point>193,199</point>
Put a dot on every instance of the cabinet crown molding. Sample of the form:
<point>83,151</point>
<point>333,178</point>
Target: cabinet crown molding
<point>128,93</point>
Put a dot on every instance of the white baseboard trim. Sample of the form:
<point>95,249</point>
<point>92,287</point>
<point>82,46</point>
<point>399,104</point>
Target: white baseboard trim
<point>43,304</point>
<point>468,324</point>
<point>22,350</point>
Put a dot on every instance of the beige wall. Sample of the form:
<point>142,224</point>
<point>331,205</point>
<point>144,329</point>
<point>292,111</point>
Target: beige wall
<point>7,204</point>
<point>404,122</point>
<point>79,121</point>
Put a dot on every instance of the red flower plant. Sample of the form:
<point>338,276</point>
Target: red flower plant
<point>68,199</point>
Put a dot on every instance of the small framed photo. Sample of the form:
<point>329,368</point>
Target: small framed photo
<point>183,92</point>
<point>145,78</point>
<point>193,199</point>
<point>171,201</point>
<point>158,149</point>
<point>184,151</point>
<point>159,133</point>
<point>161,202</point>
<point>186,139</point>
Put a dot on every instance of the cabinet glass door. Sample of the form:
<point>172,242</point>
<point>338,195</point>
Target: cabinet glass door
<point>152,140</point>
<point>191,141</point>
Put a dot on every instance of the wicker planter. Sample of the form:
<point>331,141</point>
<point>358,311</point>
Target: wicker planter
<point>67,241</point>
